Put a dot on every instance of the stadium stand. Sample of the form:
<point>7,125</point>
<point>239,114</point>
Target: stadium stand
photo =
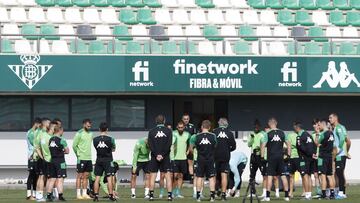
<point>205,27</point>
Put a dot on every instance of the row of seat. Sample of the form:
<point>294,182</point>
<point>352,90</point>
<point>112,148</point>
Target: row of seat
<point>306,4</point>
<point>179,47</point>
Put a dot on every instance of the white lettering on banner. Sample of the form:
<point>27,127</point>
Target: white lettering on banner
<point>289,70</point>
<point>222,83</point>
<point>141,68</point>
<point>181,67</point>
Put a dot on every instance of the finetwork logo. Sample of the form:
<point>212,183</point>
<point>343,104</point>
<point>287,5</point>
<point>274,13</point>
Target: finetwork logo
<point>141,75</point>
<point>160,134</point>
<point>222,135</point>
<point>205,141</point>
<point>102,145</point>
<point>30,73</point>
<point>335,78</point>
<point>289,70</point>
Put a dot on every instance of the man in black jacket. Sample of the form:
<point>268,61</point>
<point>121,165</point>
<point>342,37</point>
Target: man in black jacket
<point>307,152</point>
<point>160,141</point>
<point>225,144</point>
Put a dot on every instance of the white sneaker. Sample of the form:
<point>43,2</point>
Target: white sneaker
<point>41,200</point>
<point>266,199</point>
<point>133,196</point>
<point>237,194</point>
<point>262,196</point>
<point>161,196</point>
<point>287,199</point>
<point>180,196</point>
<point>146,196</point>
<point>277,195</point>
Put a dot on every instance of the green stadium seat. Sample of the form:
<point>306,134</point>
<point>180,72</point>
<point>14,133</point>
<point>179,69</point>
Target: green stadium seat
<point>285,17</point>
<point>325,4</point>
<point>274,4</point>
<point>47,30</point>
<point>30,29</point>
<point>246,30</point>
<point>294,48</point>
<point>135,3</point>
<point>205,3</point>
<point>117,3</point>
<point>188,47</point>
<point>347,48</point>
<point>329,48</point>
<point>315,32</point>
<point>211,33</point>
<point>308,4</point>
<point>78,47</point>
<point>170,47</point>
<point>97,47</point>
<point>291,4</point>
<point>133,47</point>
<point>342,4</point>
<point>337,18</point>
<point>122,30</point>
<point>82,3</point>
<point>153,3</point>
<point>242,48</point>
<point>119,48</point>
<point>145,17</point>
<point>312,48</point>
<point>100,3</point>
<point>65,3</point>
<point>152,48</point>
<point>303,18</point>
<point>6,46</point>
<point>128,17</point>
<point>46,3</point>
<point>355,4</point>
<point>259,4</point>
<point>353,18</point>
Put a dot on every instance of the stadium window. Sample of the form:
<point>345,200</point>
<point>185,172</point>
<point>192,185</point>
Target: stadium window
<point>15,114</point>
<point>53,108</point>
<point>93,108</point>
<point>127,113</point>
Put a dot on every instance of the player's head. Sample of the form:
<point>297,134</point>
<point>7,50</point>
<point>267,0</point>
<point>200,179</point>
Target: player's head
<point>160,120</point>
<point>58,121</point>
<point>272,123</point>
<point>58,130</point>
<point>180,127</point>
<point>257,125</point>
<point>186,118</point>
<point>205,125</point>
<point>51,128</point>
<point>36,122</point>
<point>45,123</point>
<point>223,122</point>
<point>333,118</point>
<point>324,124</point>
<point>103,127</point>
<point>298,126</point>
<point>315,123</point>
<point>87,124</point>
<point>168,125</point>
<point>267,128</point>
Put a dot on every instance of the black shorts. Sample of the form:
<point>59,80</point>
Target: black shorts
<point>141,166</point>
<point>340,163</point>
<point>325,166</point>
<point>315,164</point>
<point>40,168</point>
<point>195,165</point>
<point>294,165</point>
<point>31,165</point>
<point>275,167</point>
<point>222,167</point>
<point>205,168</point>
<point>307,166</point>
<point>104,166</point>
<point>180,166</point>
<point>84,166</point>
<point>163,165</point>
<point>57,170</point>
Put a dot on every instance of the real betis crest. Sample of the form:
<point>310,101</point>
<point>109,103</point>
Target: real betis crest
<point>30,73</point>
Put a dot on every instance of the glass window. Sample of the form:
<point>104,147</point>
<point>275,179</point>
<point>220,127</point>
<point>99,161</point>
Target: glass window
<point>127,113</point>
<point>15,114</point>
<point>92,108</point>
<point>52,108</point>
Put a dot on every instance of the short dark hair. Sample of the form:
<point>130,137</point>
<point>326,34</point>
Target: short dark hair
<point>86,120</point>
<point>57,120</point>
<point>45,119</point>
<point>36,120</point>
<point>257,122</point>
<point>181,123</point>
<point>315,121</point>
<point>298,124</point>
<point>57,128</point>
<point>324,120</point>
<point>273,119</point>
<point>206,124</point>
<point>103,127</point>
<point>160,119</point>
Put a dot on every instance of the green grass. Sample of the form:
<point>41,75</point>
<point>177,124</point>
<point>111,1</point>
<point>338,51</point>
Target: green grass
<point>18,196</point>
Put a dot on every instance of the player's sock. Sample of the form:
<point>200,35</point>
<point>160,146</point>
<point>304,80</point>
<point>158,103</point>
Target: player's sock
<point>78,192</point>
<point>332,193</point>
<point>277,192</point>
<point>264,192</point>
<point>151,193</point>
<point>133,191</point>
<point>34,193</point>
<point>146,191</point>
<point>28,193</point>
<point>161,191</point>
<point>198,194</point>
<point>194,189</point>
<point>287,193</point>
<point>267,193</point>
<point>49,195</point>
<point>212,194</point>
<point>55,192</point>
<point>84,192</point>
<point>323,193</point>
<point>169,194</point>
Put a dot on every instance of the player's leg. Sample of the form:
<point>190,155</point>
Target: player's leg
<point>147,184</point>
<point>85,178</point>
<point>96,188</point>
<point>60,188</point>
<point>30,181</point>
<point>40,180</point>
<point>49,186</point>
<point>133,183</point>
<point>269,182</point>
<point>162,184</point>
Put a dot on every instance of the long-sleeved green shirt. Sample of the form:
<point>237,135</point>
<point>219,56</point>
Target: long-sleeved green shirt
<point>254,142</point>
<point>82,145</point>
<point>141,152</point>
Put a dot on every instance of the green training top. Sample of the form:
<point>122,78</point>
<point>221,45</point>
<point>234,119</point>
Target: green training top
<point>172,148</point>
<point>292,137</point>
<point>82,145</point>
<point>255,141</point>
<point>181,145</point>
<point>192,142</point>
<point>36,142</point>
<point>44,144</point>
<point>141,152</point>
<point>340,134</point>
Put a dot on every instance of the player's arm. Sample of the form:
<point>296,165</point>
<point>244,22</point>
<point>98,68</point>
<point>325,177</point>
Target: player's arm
<point>263,142</point>
<point>348,145</point>
<point>65,146</point>
<point>103,185</point>
<point>192,144</point>
<point>135,156</point>
<point>251,139</point>
<point>113,144</point>
<point>232,141</point>
<point>76,143</point>
<point>166,149</point>
<point>38,147</point>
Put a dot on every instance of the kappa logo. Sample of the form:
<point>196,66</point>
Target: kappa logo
<point>160,134</point>
<point>331,138</point>
<point>289,70</point>
<point>30,73</point>
<point>276,138</point>
<point>309,140</point>
<point>335,78</point>
<point>222,135</point>
<point>141,74</point>
<point>205,141</point>
<point>53,144</point>
<point>102,145</point>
